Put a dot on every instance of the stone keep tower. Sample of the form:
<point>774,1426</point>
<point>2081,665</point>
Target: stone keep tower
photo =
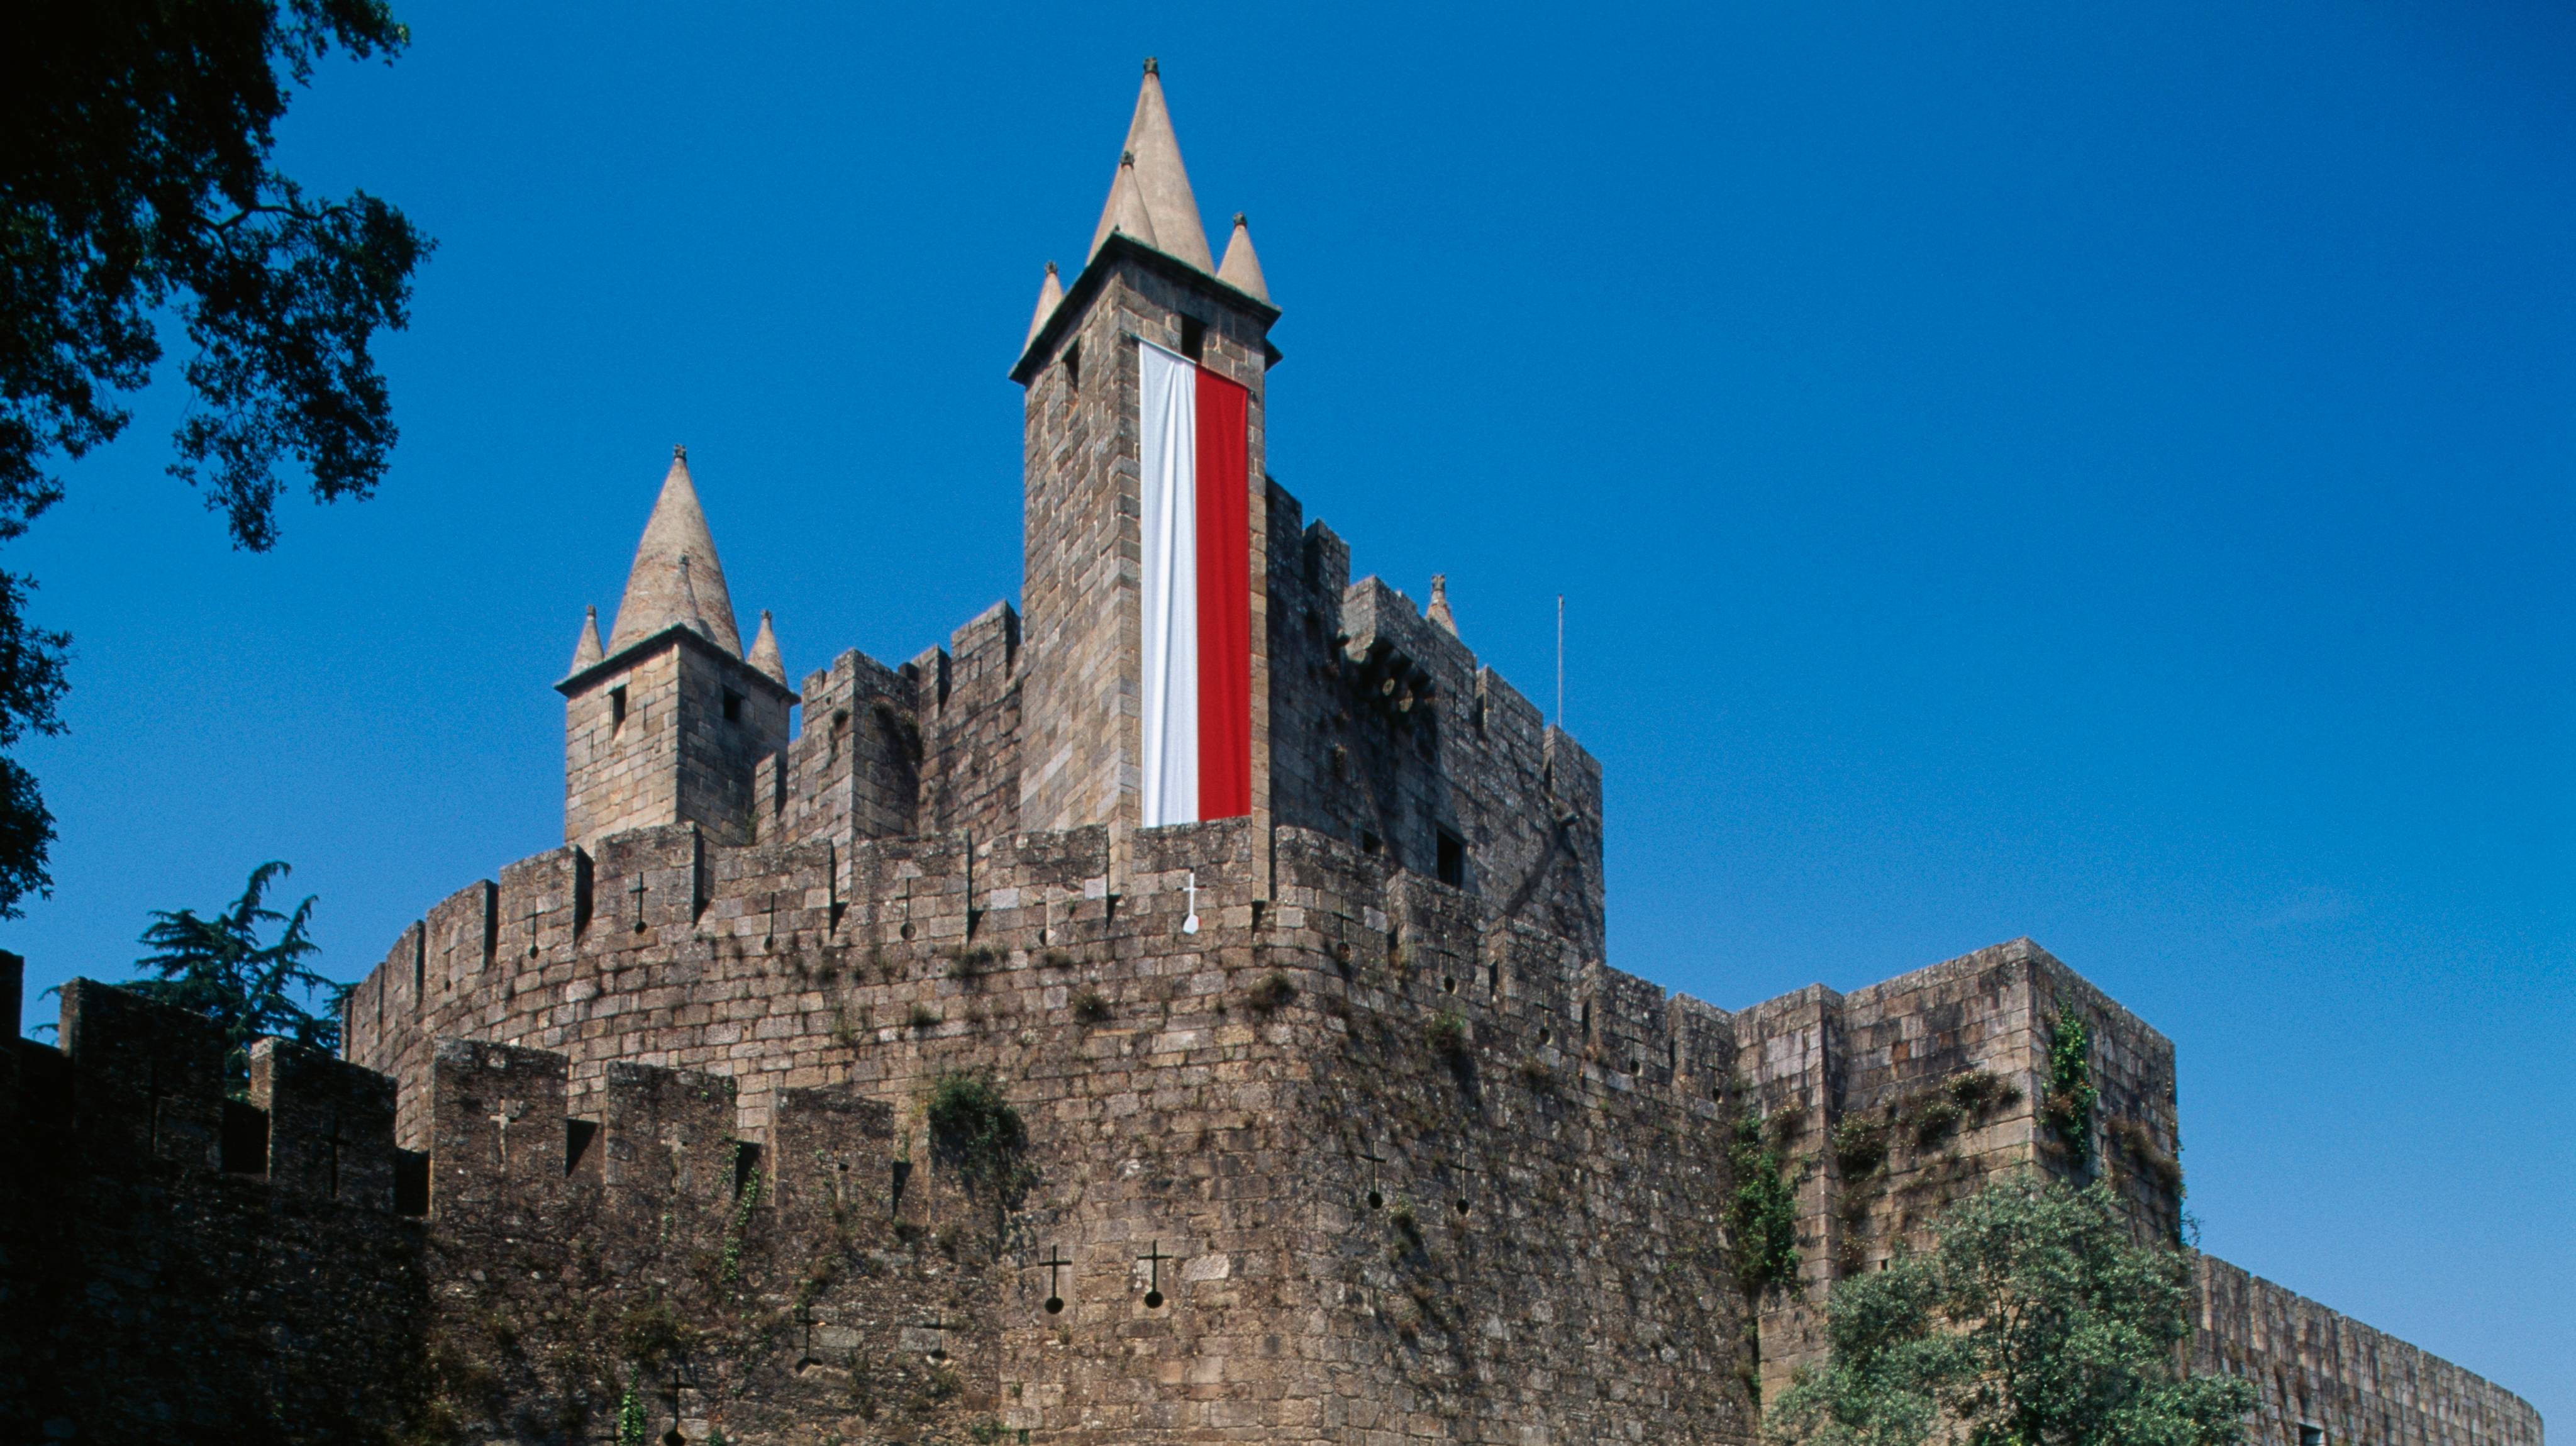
<point>670,723</point>
<point>1149,279</point>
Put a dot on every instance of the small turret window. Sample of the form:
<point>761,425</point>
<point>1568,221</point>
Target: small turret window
<point>732,706</point>
<point>1453,859</point>
<point>616,709</point>
<point>1193,338</point>
<point>1073,367</point>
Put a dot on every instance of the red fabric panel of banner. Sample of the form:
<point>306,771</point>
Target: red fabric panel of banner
<point>1225,597</point>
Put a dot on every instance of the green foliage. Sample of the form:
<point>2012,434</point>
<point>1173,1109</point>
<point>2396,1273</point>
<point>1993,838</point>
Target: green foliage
<point>1091,1007</point>
<point>1762,1215</point>
<point>632,1422</point>
<point>2036,1320</point>
<point>974,1131</point>
<point>2068,1105</point>
<point>219,968</point>
<point>1273,993</point>
<point>135,185</point>
<point>738,1228</point>
<point>1447,1035</point>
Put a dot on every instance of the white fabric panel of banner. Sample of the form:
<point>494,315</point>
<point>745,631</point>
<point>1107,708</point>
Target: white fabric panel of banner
<point>1169,522</point>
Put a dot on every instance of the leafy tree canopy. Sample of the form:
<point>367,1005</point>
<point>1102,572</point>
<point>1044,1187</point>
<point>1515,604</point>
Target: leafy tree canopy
<point>2035,1320</point>
<point>219,968</point>
<point>135,184</point>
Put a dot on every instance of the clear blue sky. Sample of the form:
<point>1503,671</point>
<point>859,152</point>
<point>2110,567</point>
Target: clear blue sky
<point>2093,472</point>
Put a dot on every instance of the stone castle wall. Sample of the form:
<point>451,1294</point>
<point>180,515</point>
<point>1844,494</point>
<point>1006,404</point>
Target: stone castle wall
<point>175,1265</point>
<point>1892,1101</point>
<point>1203,1108</point>
<point>2328,1378</point>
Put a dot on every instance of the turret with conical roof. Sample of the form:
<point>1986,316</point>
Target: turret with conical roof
<point>1147,281</point>
<point>669,722</point>
<point>1150,164</point>
<point>1241,269</point>
<point>676,579</point>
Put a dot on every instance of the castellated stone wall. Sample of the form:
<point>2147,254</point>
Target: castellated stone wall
<point>2326,1377</point>
<point>1210,1115</point>
<point>929,747</point>
<point>177,1266</point>
<point>1385,731</point>
<point>1893,1101</point>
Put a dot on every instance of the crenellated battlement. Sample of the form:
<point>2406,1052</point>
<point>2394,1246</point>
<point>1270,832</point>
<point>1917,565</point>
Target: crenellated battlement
<point>137,1088</point>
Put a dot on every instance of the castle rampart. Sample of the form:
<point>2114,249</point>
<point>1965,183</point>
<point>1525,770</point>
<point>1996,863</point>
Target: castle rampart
<point>2326,1377</point>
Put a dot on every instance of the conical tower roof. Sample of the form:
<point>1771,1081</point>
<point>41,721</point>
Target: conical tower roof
<point>764,651</point>
<point>1125,211</point>
<point>585,649</point>
<point>1438,612</point>
<point>1161,182</point>
<point>676,578</point>
<point>1050,296</point>
<point>1242,269</point>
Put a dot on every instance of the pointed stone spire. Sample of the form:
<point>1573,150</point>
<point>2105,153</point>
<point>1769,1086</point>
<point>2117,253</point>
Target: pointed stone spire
<point>586,651</point>
<point>764,646</point>
<point>1161,182</point>
<point>1050,296</point>
<point>676,578</point>
<point>1125,211</point>
<point>1241,269</point>
<point>1438,612</point>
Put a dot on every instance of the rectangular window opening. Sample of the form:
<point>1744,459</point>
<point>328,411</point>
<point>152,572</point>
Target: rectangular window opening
<point>1193,338</point>
<point>1453,860</point>
<point>746,1167</point>
<point>732,706</point>
<point>1073,367</point>
<point>578,1135</point>
<point>245,1140</point>
<point>616,708</point>
<point>411,1183</point>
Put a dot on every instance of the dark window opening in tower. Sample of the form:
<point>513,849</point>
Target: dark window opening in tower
<point>732,706</point>
<point>616,709</point>
<point>1453,859</point>
<point>1073,367</point>
<point>1193,338</point>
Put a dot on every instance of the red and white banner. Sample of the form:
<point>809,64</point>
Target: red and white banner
<point>1196,492</point>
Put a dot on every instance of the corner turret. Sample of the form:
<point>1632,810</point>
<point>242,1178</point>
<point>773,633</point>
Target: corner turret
<point>671,724</point>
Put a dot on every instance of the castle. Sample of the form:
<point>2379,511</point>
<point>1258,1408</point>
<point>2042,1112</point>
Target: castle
<point>1174,1011</point>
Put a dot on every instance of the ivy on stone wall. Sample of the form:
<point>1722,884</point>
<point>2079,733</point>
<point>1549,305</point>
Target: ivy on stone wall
<point>2068,1105</point>
<point>1762,1216</point>
<point>974,1131</point>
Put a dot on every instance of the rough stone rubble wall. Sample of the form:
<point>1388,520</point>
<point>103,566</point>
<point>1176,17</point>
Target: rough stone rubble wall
<point>1895,1100</point>
<point>179,1266</point>
<point>2318,1369</point>
<point>1201,1108</point>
